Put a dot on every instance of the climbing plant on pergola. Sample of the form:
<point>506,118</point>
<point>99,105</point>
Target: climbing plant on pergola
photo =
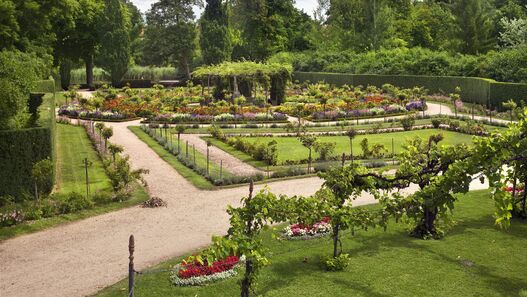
<point>271,77</point>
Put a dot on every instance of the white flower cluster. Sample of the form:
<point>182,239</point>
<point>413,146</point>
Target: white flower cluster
<point>318,230</point>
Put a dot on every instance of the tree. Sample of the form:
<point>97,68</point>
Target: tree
<point>215,40</point>
<point>308,141</point>
<point>473,18</point>
<point>514,32</point>
<point>115,149</point>
<point>170,34</point>
<point>122,175</point>
<point>325,150</point>
<point>18,72</point>
<point>351,133</point>
<point>180,129</point>
<point>114,35</point>
<point>106,133</point>
<point>511,106</point>
<point>42,174</point>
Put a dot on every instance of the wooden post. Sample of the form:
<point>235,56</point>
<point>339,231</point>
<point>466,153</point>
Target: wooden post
<point>221,169</point>
<point>86,164</point>
<point>343,159</point>
<point>194,152</point>
<point>186,150</point>
<point>393,153</point>
<point>131,270</point>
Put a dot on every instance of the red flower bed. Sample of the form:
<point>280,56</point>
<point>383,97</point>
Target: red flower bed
<point>196,269</point>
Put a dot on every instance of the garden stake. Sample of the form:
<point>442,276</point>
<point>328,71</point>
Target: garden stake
<point>86,164</point>
<point>186,150</point>
<point>343,159</point>
<point>131,271</point>
<point>221,169</point>
<point>194,152</point>
<point>393,153</point>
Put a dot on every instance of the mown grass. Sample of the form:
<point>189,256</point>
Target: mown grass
<point>73,146</point>
<point>382,263</point>
<point>290,148</point>
<point>197,180</point>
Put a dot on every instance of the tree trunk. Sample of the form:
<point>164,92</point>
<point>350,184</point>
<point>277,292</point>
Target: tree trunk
<point>309,162</point>
<point>246,282</point>
<point>336,240</point>
<point>89,72</point>
<point>426,226</point>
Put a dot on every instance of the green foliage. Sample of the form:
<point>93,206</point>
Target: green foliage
<point>74,202</point>
<point>122,175</point>
<point>338,263</point>
<point>115,40</point>
<point>20,150</point>
<point>215,39</point>
<point>325,150</point>
<point>42,174</point>
<point>408,123</point>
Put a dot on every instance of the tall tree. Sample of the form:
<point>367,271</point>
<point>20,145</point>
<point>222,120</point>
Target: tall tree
<point>170,34</point>
<point>114,34</point>
<point>474,21</point>
<point>215,40</point>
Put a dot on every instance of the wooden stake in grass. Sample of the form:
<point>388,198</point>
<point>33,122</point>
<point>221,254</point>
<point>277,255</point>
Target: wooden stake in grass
<point>208,145</point>
<point>86,165</point>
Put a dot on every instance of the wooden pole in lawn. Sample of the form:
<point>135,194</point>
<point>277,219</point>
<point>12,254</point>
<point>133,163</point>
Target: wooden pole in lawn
<point>393,153</point>
<point>186,151</point>
<point>221,169</point>
<point>194,152</point>
<point>208,145</point>
<point>131,270</point>
<point>86,164</point>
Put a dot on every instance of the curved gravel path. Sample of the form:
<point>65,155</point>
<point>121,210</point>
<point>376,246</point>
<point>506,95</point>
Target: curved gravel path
<point>80,258</point>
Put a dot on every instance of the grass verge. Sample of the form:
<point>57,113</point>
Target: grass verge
<point>474,259</point>
<point>197,180</point>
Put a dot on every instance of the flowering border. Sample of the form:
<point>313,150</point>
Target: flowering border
<point>204,279</point>
<point>319,229</point>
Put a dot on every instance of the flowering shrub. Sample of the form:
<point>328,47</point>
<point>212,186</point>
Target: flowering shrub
<point>299,231</point>
<point>416,105</point>
<point>195,274</point>
<point>519,190</point>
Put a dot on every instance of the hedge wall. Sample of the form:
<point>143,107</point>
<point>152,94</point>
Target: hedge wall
<point>475,90</point>
<point>19,150</point>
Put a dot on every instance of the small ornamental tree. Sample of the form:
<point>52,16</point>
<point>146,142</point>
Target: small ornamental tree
<point>106,133</point>
<point>351,133</point>
<point>308,141</point>
<point>325,150</point>
<point>122,175</point>
<point>99,126</point>
<point>115,149</point>
<point>242,239</point>
<point>342,185</point>
<point>42,174</point>
<point>425,163</point>
<point>180,129</point>
<point>511,106</point>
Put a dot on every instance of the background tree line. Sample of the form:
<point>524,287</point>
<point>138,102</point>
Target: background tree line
<point>448,37</point>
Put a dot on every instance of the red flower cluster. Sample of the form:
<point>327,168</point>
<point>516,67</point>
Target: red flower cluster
<point>297,227</point>
<point>518,190</point>
<point>196,269</point>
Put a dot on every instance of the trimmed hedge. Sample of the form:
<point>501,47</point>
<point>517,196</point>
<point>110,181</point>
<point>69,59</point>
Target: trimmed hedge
<point>19,150</point>
<point>473,89</point>
<point>44,86</point>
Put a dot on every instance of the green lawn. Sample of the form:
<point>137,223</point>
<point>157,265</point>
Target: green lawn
<point>73,145</point>
<point>382,263</point>
<point>290,148</point>
<point>192,176</point>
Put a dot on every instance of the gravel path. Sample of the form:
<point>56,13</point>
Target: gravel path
<point>80,258</point>
<point>231,163</point>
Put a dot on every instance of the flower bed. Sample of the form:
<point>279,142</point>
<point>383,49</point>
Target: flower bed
<point>303,232</point>
<point>519,190</point>
<point>197,274</point>
<point>77,112</point>
<point>226,118</point>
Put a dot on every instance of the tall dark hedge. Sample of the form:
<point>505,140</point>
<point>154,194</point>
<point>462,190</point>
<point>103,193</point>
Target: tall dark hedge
<point>19,150</point>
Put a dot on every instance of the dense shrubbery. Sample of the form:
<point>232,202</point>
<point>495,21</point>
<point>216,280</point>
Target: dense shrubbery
<point>507,65</point>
